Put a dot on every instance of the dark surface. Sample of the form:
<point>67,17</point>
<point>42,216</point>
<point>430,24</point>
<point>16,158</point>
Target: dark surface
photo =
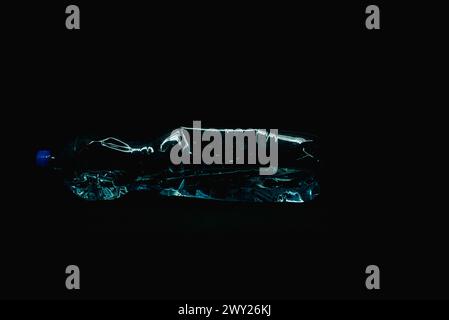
<point>133,71</point>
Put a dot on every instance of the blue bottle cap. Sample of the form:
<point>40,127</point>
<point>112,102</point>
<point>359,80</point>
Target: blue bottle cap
<point>43,158</point>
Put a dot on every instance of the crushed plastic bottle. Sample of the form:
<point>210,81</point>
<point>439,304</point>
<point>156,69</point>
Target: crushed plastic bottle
<point>110,168</point>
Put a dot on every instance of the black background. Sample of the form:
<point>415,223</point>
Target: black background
<point>136,70</point>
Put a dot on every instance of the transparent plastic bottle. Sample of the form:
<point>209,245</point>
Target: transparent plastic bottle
<point>109,168</point>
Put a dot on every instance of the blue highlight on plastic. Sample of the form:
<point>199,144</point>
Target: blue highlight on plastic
<point>42,158</point>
